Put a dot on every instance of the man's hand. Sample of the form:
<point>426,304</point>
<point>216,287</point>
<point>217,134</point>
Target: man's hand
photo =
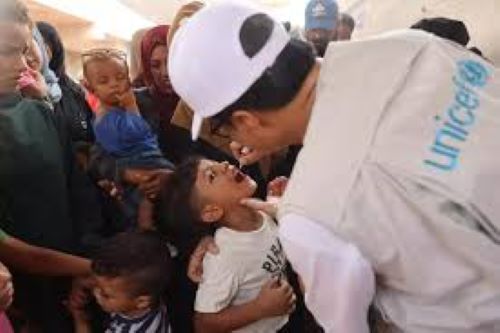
<point>269,207</point>
<point>277,187</point>
<point>276,298</point>
<point>275,190</point>
<point>246,155</point>
<point>195,267</point>
<point>6,288</point>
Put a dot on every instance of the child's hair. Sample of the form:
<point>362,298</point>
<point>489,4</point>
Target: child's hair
<point>96,55</point>
<point>176,215</point>
<point>140,257</point>
<point>14,11</point>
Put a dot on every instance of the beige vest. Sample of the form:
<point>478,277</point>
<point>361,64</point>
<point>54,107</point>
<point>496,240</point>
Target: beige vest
<point>402,158</point>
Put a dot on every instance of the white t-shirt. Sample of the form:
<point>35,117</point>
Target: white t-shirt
<point>235,276</point>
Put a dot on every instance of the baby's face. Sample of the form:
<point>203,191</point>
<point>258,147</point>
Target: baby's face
<point>113,295</point>
<point>108,79</point>
<point>222,184</point>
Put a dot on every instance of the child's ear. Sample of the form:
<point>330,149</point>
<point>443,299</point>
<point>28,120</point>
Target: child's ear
<point>143,302</point>
<point>211,213</point>
<point>87,85</point>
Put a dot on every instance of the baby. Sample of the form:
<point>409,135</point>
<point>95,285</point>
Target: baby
<point>119,127</point>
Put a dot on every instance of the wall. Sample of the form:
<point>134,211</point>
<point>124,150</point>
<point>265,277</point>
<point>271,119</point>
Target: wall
<point>480,16</point>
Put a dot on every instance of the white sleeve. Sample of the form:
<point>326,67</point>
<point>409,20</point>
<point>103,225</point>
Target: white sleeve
<point>339,283</point>
<point>218,287</point>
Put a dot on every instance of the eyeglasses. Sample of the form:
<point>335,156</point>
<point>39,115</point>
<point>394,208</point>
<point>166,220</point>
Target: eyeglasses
<point>218,127</point>
<point>103,53</point>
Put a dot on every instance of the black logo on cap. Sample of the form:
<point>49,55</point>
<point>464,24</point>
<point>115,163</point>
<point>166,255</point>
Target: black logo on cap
<point>255,32</point>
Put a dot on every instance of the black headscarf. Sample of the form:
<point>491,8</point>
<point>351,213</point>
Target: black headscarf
<point>73,107</point>
<point>54,42</point>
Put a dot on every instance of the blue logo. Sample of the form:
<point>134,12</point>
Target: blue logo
<point>473,72</point>
<point>460,116</point>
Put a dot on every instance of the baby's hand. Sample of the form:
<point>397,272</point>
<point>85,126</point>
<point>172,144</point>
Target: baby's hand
<point>127,100</point>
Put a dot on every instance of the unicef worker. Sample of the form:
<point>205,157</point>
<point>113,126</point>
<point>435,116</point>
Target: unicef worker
<point>395,197</point>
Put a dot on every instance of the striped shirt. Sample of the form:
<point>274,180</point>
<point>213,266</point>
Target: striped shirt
<point>155,321</point>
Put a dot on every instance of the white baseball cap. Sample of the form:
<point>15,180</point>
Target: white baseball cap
<point>207,64</point>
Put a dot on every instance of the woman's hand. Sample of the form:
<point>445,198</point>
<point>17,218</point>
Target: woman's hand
<point>195,266</point>
<point>32,84</point>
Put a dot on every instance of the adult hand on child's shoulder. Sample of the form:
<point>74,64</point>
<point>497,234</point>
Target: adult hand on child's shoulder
<point>276,298</point>
<point>195,266</point>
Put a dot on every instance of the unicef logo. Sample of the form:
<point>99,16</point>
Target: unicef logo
<point>473,72</point>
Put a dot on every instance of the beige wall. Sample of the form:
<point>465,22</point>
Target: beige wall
<point>480,16</point>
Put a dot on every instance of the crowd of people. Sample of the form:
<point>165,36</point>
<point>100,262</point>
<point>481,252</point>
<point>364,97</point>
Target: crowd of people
<point>262,185</point>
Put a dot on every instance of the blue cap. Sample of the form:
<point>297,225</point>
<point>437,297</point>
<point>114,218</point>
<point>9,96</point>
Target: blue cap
<point>321,14</point>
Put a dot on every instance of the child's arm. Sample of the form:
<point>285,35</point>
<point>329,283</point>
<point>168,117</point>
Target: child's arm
<point>81,321</point>
<point>275,299</point>
<point>82,326</point>
<point>37,260</point>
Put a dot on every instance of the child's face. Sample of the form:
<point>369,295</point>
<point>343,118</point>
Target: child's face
<point>113,295</point>
<point>222,185</point>
<point>108,79</point>
<point>14,42</point>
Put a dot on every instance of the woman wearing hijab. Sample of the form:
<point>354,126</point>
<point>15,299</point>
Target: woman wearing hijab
<point>72,106</point>
<point>40,50</point>
<point>73,122</point>
<point>157,101</point>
